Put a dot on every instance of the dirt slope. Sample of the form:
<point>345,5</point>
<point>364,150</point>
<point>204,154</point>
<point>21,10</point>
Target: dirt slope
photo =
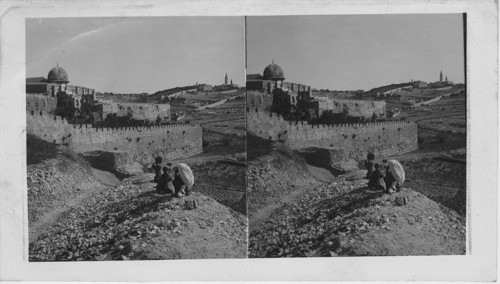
<point>343,218</point>
<point>56,183</point>
<point>272,178</point>
<point>131,221</point>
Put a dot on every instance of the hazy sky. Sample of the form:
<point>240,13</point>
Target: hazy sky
<point>358,52</point>
<point>133,55</point>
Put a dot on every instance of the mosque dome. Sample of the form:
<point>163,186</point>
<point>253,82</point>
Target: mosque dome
<point>273,71</point>
<point>57,75</point>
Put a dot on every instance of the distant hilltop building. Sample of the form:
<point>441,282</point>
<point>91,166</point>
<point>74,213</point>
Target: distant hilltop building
<point>53,95</point>
<point>443,81</point>
<point>204,88</point>
<point>420,85</point>
<point>228,85</point>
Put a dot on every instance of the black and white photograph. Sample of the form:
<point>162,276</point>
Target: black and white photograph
<point>135,138</point>
<point>249,141</point>
<point>356,135</point>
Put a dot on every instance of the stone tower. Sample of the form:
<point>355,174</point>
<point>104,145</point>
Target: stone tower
<point>441,76</point>
<point>225,80</point>
<point>446,79</point>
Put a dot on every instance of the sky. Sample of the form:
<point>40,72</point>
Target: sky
<point>352,52</point>
<point>135,55</point>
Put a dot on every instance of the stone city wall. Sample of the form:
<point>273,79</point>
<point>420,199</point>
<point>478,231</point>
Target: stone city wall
<point>139,111</point>
<point>357,108</point>
<point>382,139</point>
<point>143,143</point>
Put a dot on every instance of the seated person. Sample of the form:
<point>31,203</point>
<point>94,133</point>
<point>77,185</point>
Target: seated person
<point>156,167</point>
<point>184,179</point>
<point>165,182</point>
<point>395,175</point>
<point>377,178</point>
<point>369,164</point>
<point>180,187</point>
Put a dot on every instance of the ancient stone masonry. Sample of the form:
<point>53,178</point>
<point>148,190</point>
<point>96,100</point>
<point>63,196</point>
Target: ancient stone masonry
<point>143,143</point>
<point>139,111</point>
<point>40,104</point>
<point>357,108</point>
<point>383,138</point>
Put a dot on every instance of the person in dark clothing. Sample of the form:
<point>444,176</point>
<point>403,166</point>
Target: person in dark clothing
<point>389,178</point>
<point>377,178</point>
<point>156,167</point>
<point>369,164</point>
<point>165,184</point>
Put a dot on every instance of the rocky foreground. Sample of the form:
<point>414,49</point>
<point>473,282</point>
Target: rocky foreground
<point>343,218</point>
<point>130,221</point>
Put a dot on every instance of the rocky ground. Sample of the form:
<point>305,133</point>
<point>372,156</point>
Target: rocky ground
<point>130,221</point>
<point>343,218</point>
<point>271,183</point>
<point>77,212</point>
<point>302,215</point>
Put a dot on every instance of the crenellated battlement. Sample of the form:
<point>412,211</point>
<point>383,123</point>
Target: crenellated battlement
<point>388,137</point>
<point>143,141</point>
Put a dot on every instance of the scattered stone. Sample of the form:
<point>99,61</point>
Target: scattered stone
<point>401,200</point>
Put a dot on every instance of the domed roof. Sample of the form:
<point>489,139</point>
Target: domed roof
<point>57,75</point>
<point>273,71</point>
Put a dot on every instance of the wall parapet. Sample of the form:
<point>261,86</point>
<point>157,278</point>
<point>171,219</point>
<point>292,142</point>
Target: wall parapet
<point>377,137</point>
<point>142,141</point>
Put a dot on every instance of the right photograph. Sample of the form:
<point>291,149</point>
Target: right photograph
<point>356,135</point>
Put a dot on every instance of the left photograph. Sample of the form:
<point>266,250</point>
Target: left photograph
<point>136,138</point>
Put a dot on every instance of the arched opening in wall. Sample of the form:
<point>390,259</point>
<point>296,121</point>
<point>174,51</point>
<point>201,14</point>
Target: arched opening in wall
<point>32,113</point>
<point>64,139</point>
<point>183,132</point>
<point>41,113</point>
<point>137,140</point>
<point>116,148</point>
<point>383,128</point>
<point>55,117</point>
<point>399,128</point>
<point>353,136</point>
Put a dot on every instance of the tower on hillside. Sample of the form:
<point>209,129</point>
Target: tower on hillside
<point>231,82</point>
<point>441,76</point>
<point>225,80</point>
<point>446,79</point>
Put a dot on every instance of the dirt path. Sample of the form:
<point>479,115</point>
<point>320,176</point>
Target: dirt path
<point>262,215</point>
<point>199,159</point>
<point>105,178</point>
<point>48,219</point>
